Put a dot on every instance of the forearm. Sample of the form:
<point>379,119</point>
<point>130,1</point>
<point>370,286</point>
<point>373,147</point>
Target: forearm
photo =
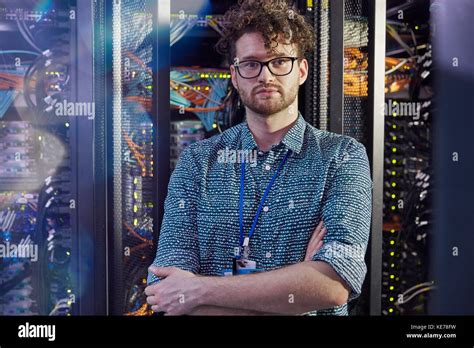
<point>294,289</point>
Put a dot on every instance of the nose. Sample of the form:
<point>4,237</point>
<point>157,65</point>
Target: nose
<point>265,75</point>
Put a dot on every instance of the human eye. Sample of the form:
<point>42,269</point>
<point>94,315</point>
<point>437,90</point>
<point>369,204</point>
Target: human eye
<point>249,64</point>
<point>280,61</point>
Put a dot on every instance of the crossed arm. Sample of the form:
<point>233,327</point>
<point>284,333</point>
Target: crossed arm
<point>295,289</point>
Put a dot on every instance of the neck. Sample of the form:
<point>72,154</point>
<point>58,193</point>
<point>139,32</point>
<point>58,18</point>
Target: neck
<point>269,130</point>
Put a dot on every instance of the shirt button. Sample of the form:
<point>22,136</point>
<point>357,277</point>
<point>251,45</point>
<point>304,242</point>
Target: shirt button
<point>267,167</point>
<point>260,153</point>
<point>268,255</point>
<point>265,209</point>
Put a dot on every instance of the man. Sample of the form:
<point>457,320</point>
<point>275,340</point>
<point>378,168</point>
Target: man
<point>221,211</point>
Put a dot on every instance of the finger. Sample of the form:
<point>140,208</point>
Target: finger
<point>152,300</point>
<point>318,235</point>
<point>320,225</point>
<point>161,271</point>
<point>315,243</point>
<point>150,290</point>
<point>323,230</point>
<point>155,308</point>
<point>321,234</point>
<point>318,228</point>
<point>312,250</point>
<point>316,232</point>
<point>320,244</point>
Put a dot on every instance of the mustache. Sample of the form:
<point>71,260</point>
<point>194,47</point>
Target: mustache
<point>256,89</point>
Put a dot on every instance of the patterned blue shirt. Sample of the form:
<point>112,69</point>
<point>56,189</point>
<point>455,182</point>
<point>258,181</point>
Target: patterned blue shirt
<point>326,177</point>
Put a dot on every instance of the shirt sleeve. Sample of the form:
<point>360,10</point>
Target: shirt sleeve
<point>178,242</point>
<point>346,212</point>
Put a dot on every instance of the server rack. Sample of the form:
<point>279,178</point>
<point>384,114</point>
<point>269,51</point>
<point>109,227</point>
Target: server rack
<point>355,108</point>
<point>408,173</point>
<point>46,190</point>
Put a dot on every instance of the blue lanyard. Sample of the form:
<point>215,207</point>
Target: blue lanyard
<point>262,201</point>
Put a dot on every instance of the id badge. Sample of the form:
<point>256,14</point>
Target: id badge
<point>242,266</point>
<point>245,264</point>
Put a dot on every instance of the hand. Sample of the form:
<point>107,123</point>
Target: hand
<point>176,294</point>
<point>316,241</point>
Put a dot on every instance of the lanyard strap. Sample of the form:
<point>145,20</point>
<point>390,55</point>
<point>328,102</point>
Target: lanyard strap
<point>262,201</point>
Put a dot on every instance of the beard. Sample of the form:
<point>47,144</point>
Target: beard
<point>269,105</point>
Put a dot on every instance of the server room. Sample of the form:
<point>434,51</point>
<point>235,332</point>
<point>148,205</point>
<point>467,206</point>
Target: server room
<point>131,184</point>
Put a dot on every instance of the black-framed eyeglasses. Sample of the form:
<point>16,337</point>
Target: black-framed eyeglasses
<point>280,66</point>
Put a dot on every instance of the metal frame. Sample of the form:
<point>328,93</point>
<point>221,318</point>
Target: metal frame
<point>100,158</point>
<point>375,148</point>
<point>336,66</point>
<point>161,148</point>
<point>375,122</point>
<point>161,106</point>
<point>114,247</point>
<point>90,262</point>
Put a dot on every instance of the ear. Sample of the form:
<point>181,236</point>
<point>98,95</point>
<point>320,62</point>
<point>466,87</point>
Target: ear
<point>233,74</point>
<point>303,67</point>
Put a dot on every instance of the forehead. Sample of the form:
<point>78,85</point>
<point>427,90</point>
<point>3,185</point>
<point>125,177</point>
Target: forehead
<point>252,46</point>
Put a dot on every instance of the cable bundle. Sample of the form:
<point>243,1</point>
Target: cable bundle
<point>201,91</point>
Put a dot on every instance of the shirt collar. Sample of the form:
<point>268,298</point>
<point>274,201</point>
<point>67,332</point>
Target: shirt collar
<point>293,139</point>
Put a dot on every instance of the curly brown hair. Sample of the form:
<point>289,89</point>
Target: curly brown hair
<point>271,18</point>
